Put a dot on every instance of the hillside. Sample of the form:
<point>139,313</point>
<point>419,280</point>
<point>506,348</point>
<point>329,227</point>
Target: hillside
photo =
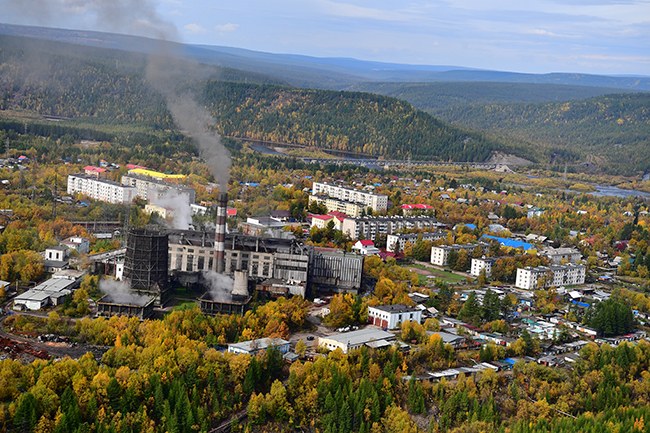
<point>106,86</point>
<point>435,97</point>
<point>347,121</point>
<point>611,131</point>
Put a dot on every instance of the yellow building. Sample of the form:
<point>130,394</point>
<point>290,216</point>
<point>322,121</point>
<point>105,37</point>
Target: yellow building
<point>155,174</point>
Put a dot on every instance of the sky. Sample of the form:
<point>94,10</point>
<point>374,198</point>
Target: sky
<point>540,36</point>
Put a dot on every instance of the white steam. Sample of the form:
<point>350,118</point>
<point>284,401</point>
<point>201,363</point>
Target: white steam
<point>219,286</point>
<point>179,205</point>
<point>168,70</point>
<point>119,292</point>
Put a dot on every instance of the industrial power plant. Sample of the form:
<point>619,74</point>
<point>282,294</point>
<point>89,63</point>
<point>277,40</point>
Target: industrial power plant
<point>225,267</point>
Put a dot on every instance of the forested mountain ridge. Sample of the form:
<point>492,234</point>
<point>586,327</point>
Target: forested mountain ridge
<point>612,131</point>
<point>345,121</point>
<point>441,96</point>
<point>109,86</point>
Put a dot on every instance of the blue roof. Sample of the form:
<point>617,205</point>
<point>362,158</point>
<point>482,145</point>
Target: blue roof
<point>510,361</point>
<point>512,243</point>
<point>580,304</point>
<point>469,226</point>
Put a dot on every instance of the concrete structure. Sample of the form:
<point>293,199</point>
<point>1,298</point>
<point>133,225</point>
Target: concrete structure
<point>77,243</point>
<point>397,242</point>
<point>377,202</point>
<point>137,306</point>
<point>252,347</point>
<point>559,255</point>
<point>263,226</point>
<point>51,292</point>
<point>267,258</point>
<point>100,189</point>
<point>220,234</point>
<point>370,227</point>
<point>440,254</point>
<point>483,263</point>
<point>334,270</point>
<point>146,263</point>
<point>392,316</point>
<point>556,275</point>
<point>55,258</point>
<point>346,341</point>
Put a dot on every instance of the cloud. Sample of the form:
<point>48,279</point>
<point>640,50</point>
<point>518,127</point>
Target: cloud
<point>347,10</point>
<point>194,28</point>
<point>226,28</point>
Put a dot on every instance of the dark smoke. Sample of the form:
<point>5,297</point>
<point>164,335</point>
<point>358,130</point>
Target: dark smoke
<point>168,71</point>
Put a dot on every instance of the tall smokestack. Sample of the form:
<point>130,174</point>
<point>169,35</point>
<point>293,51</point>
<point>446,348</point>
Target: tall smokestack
<point>220,234</point>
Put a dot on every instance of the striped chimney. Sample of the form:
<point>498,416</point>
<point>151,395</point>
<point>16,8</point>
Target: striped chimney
<point>220,234</point>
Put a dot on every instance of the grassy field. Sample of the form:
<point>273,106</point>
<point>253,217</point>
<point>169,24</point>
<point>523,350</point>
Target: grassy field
<point>426,271</point>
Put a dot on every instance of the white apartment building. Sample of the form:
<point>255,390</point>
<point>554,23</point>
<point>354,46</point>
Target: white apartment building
<point>353,210</point>
<point>378,202</point>
<point>397,242</point>
<point>555,276</point>
<point>440,254</point>
<point>392,316</point>
<point>100,189</point>
<point>370,227</point>
<point>483,263</point>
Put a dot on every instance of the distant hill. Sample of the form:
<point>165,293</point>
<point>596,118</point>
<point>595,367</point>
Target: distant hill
<point>107,86</point>
<point>328,73</point>
<point>611,131</point>
<point>435,97</point>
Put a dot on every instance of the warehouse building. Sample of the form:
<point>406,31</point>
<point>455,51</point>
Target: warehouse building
<point>392,316</point>
<point>252,347</point>
<point>346,341</point>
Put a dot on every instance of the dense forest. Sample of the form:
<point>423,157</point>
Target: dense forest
<point>166,375</point>
<point>610,131</point>
<point>441,96</point>
<point>347,121</point>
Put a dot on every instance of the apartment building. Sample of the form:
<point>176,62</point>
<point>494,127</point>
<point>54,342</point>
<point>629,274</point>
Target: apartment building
<point>100,189</point>
<point>440,254</point>
<point>559,255</point>
<point>397,242</point>
<point>370,227</point>
<point>483,263</point>
<point>550,276</point>
<point>377,202</point>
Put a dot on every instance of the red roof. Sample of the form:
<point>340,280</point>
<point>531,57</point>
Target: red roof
<point>322,217</point>
<point>231,211</point>
<point>95,169</point>
<point>337,214</point>
<point>133,166</point>
<point>367,243</point>
<point>416,206</point>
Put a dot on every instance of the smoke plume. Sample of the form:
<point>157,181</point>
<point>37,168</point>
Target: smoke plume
<point>120,292</point>
<point>179,204</point>
<point>219,286</point>
<point>168,71</point>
